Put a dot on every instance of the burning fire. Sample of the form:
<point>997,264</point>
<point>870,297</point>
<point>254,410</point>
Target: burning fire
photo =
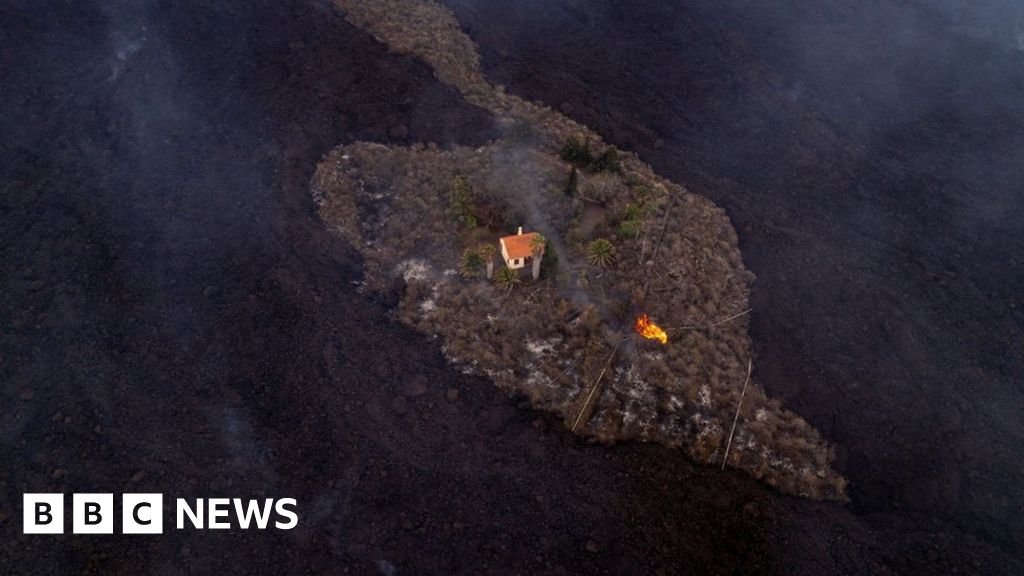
<point>648,329</point>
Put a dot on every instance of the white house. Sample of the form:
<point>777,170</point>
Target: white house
<point>517,249</point>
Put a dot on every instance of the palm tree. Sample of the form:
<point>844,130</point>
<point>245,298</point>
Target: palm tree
<point>472,264</point>
<point>487,252</point>
<point>537,245</point>
<point>601,253</point>
<point>507,278</point>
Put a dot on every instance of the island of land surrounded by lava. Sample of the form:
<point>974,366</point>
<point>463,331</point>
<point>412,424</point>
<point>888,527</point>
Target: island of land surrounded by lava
<point>611,246</point>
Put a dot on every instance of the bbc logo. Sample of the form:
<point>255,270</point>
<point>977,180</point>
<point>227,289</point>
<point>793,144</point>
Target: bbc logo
<point>93,513</point>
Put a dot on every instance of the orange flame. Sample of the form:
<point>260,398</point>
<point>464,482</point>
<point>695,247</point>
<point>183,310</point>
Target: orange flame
<point>648,329</point>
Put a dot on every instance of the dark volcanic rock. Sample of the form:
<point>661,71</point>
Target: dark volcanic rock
<point>151,149</point>
<point>416,386</point>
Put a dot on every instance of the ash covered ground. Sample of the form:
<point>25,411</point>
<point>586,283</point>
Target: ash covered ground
<point>175,318</point>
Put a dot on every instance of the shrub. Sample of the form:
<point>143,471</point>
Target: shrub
<point>576,152</point>
<point>472,265</point>
<point>641,194</point>
<point>460,202</point>
<point>521,131</point>
<point>549,265</point>
<point>630,228</point>
<point>601,253</point>
<point>507,278</point>
<point>579,154</point>
<point>607,161</point>
<point>600,188</point>
<point>631,221</point>
<point>633,212</point>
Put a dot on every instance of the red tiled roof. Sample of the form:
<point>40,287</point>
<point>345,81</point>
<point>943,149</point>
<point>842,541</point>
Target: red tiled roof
<point>518,245</point>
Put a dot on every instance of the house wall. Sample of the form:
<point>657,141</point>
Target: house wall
<point>509,262</point>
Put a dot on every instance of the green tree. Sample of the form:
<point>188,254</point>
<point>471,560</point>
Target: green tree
<point>461,203</point>
<point>607,161</point>
<point>472,265</point>
<point>634,212</point>
<point>538,244</point>
<point>576,152</point>
<point>630,228</point>
<point>632,220</point>
<point>487,252</point>
<point>507,278</point>
<point>601,253</point>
